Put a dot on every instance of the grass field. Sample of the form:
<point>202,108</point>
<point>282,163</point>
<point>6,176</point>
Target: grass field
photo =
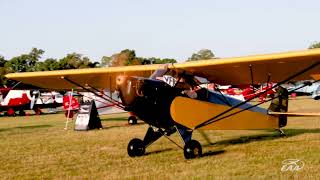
<point>39,147</point>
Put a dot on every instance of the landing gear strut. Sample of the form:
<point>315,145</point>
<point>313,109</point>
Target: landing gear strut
<point>192,148</point>
<point>282,134</point>
<point>137,147</point>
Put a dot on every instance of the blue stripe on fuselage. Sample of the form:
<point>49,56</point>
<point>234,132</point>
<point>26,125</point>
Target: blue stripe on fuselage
<point>217,98</point>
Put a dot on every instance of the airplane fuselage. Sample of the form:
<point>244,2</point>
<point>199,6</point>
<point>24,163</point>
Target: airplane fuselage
<point>149,99</point>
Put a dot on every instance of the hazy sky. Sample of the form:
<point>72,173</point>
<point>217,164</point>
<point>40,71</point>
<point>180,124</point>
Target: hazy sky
<point>159,28</point>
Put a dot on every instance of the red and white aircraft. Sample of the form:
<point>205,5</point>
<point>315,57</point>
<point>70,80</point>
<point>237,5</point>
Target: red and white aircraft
<point>15,102</point>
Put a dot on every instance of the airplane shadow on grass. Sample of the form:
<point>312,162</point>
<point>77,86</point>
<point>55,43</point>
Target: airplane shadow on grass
<point>264,137</point>
<point>33,114</point>
<point>209,153</point>
<point>114,119</point>
<point>254,138</point>
<point>25,127</point>
<point>111,127</point>
<point>106,127</point>
<point>244,140</point>
<point>158,151</point>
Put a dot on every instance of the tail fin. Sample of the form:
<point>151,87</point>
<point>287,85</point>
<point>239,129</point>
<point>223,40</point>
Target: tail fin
<point>280,104</point>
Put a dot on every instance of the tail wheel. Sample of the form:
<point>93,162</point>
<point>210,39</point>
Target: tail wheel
<point>136,148</point>
<point>192,149</point>
<point>132,120</point>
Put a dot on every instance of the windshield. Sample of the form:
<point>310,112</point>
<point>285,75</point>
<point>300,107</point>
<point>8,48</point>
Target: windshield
<point>159,72</point>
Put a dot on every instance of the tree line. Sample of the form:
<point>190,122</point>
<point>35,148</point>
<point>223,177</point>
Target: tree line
<point>30,62</point>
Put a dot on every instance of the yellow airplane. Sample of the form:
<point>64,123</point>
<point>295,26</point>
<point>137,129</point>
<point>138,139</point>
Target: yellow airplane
<point>177,103</point>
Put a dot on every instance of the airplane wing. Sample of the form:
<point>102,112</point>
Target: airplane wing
<point>95,77</point>
<point>235,71</point>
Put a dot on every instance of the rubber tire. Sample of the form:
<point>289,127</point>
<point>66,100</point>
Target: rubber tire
<point>10,112</point>
<point>192,150</point>
<point>132,120</point>
<point>22,113</point>
<point>136,148</point>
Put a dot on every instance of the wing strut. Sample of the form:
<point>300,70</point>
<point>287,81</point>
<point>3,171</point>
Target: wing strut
<point>110,97</point>
<point>251,75</point>
<point>268,79</point>
<point>224,97</point>
<point>214,119</point>
<point>89,90</point>
<point>271,113</point>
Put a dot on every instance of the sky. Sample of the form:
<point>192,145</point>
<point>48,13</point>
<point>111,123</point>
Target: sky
<point>157,28</point>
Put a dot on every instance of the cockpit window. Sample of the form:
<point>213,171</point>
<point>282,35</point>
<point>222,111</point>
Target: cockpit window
<point>160,72</point>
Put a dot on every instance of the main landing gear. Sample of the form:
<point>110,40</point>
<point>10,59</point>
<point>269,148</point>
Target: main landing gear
<point>192,148</point>
<point>282,134</point>
<point>136,147</point>
<point>132,120</point>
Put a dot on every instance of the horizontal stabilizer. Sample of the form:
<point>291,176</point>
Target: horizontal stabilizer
<point>295,113</point>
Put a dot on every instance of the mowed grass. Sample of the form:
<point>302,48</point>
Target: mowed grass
<point>35,147</point>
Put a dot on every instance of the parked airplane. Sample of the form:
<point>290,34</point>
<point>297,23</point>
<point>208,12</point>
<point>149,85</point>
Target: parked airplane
<point>245,92</point>
<point>310,89</point>
<point>182,106</point>
<point>15,102</point>
<point>71,101</point>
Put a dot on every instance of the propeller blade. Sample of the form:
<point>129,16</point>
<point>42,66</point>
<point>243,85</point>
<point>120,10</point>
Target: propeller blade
<point>32,101</point>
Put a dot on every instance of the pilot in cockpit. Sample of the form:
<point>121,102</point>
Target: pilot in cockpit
<point>186,82</point>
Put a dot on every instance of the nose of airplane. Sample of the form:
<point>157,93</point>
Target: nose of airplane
<point>127,87</point>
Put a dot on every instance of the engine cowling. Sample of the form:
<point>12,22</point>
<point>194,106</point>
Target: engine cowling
<point>149,99</point>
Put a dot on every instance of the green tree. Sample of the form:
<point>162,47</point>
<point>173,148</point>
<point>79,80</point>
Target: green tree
<point>105,61</point>
<point>165,61</point>
<point>70,61</point>
<point>24,62</point>
<point>86,63</point>
<point>34,57</point>
<point>128,57</point>
<point>3,71</point>
<point>2,61</point>
<point>125,58</point>
<point>76,61</point>
<point>203,54</point>
<point>49,64</point>
<point>314,45</point>
<point>18,64</point>
<point>154,60</point>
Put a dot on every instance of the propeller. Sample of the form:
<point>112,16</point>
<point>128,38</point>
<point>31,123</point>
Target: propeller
<point>33,99</point>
